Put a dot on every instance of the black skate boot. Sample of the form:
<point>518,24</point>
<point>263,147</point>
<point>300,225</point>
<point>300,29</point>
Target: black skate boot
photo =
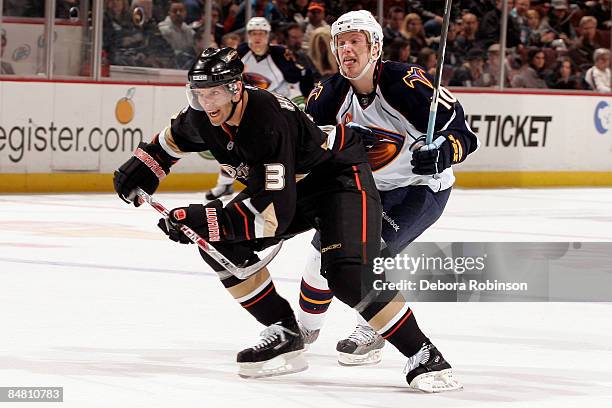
<point>279,352</point>
<point>220,190</point>
<point>428,371</point>
<point>362,347</point>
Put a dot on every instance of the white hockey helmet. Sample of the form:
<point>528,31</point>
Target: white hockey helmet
<point>359,20</point>
<point>258,23</point>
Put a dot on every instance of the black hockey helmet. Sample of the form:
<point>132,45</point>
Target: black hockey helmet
<point>215,67</point>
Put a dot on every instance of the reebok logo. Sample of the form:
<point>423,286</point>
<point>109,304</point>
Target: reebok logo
<point>391,221</point>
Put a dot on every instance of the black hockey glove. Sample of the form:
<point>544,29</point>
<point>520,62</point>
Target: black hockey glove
<point>149,165</point>
<point>437,156</point>
<point>208,221</point>
<point>367,136</point>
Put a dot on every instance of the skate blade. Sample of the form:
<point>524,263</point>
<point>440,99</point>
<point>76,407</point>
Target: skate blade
<point>437,381</point>
<point>371,358</point>
<point>287,363</point>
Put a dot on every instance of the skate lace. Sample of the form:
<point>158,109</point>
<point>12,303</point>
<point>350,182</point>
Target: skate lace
<point>363,335</point>
<point>271,334</point>
<point>420,357</point>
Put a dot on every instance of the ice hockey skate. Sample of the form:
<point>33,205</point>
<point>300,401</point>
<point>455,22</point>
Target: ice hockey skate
<point>219,191</point>
<point>278,353</point>
<point>310,336</point>
<point>362,347</point>
<point>428,371</point>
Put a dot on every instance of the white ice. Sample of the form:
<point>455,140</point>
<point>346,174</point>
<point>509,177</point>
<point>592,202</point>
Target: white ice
<point>93,298</point>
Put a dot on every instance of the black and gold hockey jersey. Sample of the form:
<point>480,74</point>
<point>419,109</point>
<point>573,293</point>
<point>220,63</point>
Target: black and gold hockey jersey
<point>275,145</point>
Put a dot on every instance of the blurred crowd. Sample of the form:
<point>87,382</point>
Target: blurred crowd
<point>557,44</point>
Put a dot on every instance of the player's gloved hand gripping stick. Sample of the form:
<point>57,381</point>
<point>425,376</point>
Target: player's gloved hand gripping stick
<point>239,272</point>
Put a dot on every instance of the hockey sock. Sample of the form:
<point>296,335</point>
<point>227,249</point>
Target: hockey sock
<point>258,296</point>
<point>315,296</point>
<point>224,179</point>
<point>386,312</point>
<point>394,321</point>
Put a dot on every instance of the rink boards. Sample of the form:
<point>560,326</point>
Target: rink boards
<point>71,136</point>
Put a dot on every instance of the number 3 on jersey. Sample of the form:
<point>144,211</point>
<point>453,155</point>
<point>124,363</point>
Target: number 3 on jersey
<point>275,176</point>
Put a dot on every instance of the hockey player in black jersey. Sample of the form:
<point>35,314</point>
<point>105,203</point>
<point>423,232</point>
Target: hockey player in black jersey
<point>270,67</point>
<point>296,178</point>
<point>391,99</point>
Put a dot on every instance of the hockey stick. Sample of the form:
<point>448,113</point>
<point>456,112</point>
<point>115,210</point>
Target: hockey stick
<point>239,272</point>
<point>433,108</point>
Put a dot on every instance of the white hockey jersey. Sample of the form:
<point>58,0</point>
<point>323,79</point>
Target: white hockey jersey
<point>276,71</point>
<point>397,112</point>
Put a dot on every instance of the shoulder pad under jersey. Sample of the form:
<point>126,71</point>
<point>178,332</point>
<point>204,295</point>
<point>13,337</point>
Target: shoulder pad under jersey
<point>326,98</point>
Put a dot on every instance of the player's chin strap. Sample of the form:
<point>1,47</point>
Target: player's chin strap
<point>237,271</point>
<point>362,74</point>
<point>234,106</point>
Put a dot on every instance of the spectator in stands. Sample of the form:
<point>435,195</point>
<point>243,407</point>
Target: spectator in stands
<point>564,75</point>
<point>582,51</point>
<point>316,19</point>
<point>478,7</point>
<point>277,12</point>
<point>186,57</point>
<point>194,9</point>
<point>427,58</point>
<point>559,19</point>
<point>490,27</point>
<point>143,45</point>
<point>216,26</point>
<point>601,11</point>
<point>467,40</point>
<point>397,50</point>
<point>320,54</point>
<point>519,13</point>
<point>298,11</point>
<point>395,17</point>
<point>539,32</point>
<point>472,72</point>
<point>598,76</point>
<point>412,29</point>
<point>493,66</point>
<point>294,38</point>
<point>453,55</point>
<point>5,67</point>
<point>174,29</point>
<point>231,40</point>
<point>117,23</point>
<point>142,12</point>
<point>432,12</point>
<point>532,73</point>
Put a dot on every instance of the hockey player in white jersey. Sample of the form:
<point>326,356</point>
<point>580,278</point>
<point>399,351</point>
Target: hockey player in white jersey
<point>392,99</point>
<point>270,67</point>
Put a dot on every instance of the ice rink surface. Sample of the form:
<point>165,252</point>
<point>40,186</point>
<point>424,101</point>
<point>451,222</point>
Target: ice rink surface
<point>95,299</point>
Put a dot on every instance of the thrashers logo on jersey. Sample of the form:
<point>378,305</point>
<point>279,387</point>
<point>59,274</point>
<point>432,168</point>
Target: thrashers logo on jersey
<point>316,91</point>
<point>416,74</point>
<point>257,80</point>
<point>387,148</point>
